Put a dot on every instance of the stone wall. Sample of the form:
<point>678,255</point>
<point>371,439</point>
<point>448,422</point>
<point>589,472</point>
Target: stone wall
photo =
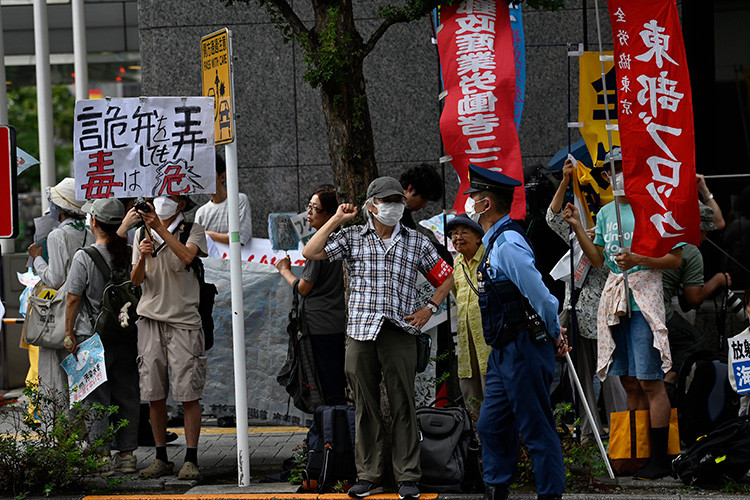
<point>283,152</point>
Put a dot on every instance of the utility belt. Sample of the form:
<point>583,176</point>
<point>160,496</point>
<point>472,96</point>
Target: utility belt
<point>506,313</point>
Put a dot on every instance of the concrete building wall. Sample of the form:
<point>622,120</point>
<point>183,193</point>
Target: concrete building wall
<point>282,145</point>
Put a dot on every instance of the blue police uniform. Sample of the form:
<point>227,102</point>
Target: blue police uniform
<point>519,316</point>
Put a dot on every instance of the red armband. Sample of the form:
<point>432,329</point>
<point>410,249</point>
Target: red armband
<point>439,273</point>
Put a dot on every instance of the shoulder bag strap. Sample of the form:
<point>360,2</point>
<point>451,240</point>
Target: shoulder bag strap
<point>99,261</point>
<point>468,280</point>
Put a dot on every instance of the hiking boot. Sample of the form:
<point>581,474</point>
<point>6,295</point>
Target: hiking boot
<point>126,464</point>
<point>408,490</point>
<point>189,471</point>
<point>364,489</point>
<point>158,468</point>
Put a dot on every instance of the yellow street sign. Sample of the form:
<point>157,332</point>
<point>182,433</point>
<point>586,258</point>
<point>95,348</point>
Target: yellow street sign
<point>217,81</point>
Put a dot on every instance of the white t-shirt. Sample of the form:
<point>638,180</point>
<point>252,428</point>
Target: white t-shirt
<point>215,217</point>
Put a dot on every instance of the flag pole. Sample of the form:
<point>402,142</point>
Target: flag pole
<point>616,190</point>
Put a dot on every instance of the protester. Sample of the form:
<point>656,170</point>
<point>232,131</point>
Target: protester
<point>382,259</point>
<point>86,284</point>
<point>421,184</point>
<point>61,244</point>
<point>626,339</point>
<point>472,352</point>
<point>684,337</point>
<point>586,304</point>
<point>322,289</point>
<point>513,299</point>
<point>171,346</point>
<point>214,215</point>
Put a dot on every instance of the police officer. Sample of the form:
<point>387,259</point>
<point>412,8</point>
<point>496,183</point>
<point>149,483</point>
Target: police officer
<point>519,317</point>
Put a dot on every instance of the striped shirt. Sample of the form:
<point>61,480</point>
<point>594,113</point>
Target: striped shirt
<point>382,280</point>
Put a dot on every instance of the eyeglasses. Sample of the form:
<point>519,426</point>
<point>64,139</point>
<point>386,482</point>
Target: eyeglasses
<point>312,208</point>
<point>461,232</point>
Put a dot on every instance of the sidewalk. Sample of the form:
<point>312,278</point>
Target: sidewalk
<point>270,446</point>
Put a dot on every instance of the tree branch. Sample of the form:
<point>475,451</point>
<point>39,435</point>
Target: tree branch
<point>287,12</point>
<point>378,34</point>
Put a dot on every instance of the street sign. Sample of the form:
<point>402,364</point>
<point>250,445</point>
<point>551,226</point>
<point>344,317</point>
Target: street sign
<point>216,69</point>
<point>8,190</point>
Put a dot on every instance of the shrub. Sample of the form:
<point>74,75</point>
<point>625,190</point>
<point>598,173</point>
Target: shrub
<point>51,453</point>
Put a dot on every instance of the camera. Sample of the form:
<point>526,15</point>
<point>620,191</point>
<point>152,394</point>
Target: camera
<point>735,305</point>
<point>142,205</point>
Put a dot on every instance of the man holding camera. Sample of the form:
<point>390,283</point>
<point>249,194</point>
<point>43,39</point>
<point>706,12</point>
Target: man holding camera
<point>171,350</point>
<point>519,318</point>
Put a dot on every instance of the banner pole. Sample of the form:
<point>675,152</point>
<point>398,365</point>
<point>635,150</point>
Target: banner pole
<point>238,308</point>
<point>598,438</point>
<point>613,180</point>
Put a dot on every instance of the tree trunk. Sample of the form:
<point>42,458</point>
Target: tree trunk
<point>345,107</point>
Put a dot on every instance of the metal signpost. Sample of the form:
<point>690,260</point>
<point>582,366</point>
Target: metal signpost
<point>216,67</point>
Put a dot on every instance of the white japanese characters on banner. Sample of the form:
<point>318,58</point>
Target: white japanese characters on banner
<point>656,124</point>
<point>87,372</point>
<point>147,146</point>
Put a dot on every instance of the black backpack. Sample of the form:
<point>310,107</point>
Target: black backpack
<point>705,398</point>
<point>115,322</point>
<point>723,454</point>
<point>207,292</point>
<point>445,457</point>
<point>331,442</point>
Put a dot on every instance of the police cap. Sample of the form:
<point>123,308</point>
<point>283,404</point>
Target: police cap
<point>482,179</point>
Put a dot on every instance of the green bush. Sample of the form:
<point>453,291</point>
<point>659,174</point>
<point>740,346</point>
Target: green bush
<point>51,454</point>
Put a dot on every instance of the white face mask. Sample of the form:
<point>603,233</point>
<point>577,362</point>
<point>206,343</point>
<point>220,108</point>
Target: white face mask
<point>389,213</point>
<point>165,207</point>
<point>620,181</point>
<point>470,210</point>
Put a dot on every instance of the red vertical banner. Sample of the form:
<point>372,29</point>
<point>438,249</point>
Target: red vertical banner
<point>475,43</point>
<point>655,114</point>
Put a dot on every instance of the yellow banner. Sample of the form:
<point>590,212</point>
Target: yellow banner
<point>591,105</point>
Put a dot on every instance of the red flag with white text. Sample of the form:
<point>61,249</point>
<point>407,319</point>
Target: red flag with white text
<point>479,76</point>
<point>655,114</point>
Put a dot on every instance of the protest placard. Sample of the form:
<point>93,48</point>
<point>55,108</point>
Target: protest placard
<point>87,372</point>
<point>147,146</point>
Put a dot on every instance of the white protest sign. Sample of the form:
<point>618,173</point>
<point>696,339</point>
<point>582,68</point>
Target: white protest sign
<point>258,250</point>
<point>148,146</point>
<point>87,372</point>
<point>739,362</point>
<point>303,229</point>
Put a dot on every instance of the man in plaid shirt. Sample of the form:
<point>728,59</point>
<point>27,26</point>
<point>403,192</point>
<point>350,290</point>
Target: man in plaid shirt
<point>382,259</point>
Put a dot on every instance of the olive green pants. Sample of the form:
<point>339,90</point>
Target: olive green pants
<point>394,354</point>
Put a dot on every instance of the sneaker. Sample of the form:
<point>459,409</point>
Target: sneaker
<point>126,464</point>
<point>408,490</point>
<point>158,468</point>
<point>364,489</point>
<point>189,471</point>
<point>107,467</point>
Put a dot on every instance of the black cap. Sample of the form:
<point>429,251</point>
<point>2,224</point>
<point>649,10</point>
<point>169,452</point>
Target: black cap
<point>482,179</point>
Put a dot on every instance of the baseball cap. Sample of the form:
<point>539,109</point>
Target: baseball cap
<point>383,187</point>
<point>106,211</point>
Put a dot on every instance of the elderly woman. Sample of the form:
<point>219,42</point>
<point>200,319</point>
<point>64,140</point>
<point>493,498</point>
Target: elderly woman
<point>472,351</point>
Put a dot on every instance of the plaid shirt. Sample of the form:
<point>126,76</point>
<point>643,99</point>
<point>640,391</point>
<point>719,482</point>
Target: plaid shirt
<point>382,282</point>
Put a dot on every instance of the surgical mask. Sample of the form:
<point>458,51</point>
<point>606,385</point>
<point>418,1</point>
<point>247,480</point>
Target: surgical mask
<point>620,181</point>
<point>471,211</point>
<point>389,213</point>
<point>165,207</point>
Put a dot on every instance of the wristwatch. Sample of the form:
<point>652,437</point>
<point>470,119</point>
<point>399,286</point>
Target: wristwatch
<point>432,307</point>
